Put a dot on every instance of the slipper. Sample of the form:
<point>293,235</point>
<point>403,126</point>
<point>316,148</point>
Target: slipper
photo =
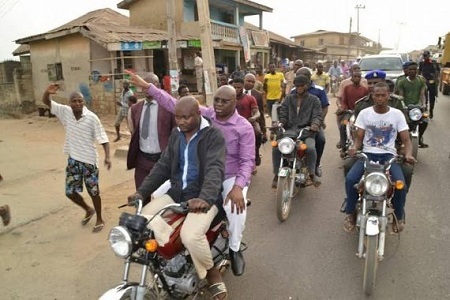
<point>6,216</point>
<point>88,218</point>
<point>98,227</point>
<point>217,289</point>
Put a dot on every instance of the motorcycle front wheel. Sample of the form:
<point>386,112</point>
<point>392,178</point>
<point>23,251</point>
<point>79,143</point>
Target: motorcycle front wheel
<point>284,198</point>
<point>371,264</point>
<point>149,295</point>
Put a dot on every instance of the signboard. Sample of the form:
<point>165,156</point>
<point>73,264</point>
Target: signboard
<point>151,45</point>
<point>194,43</point>
<point>245,43</point>
<point>130,46</point>
<point>260,38</point>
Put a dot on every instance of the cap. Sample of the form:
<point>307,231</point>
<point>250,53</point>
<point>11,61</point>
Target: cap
<point>301,80</point>
<point>406,64</point>
<point>376,74</point>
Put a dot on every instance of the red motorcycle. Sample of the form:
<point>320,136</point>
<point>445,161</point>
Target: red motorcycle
<point>172,273</point>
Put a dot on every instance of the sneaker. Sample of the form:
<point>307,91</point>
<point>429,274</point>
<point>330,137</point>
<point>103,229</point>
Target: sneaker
<point>398,226</point>
<point>275,182</point>
<point>319,171</point>
<point>343,206</point>
<point>350,223</point>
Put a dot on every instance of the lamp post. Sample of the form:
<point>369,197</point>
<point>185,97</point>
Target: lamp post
<point>358,7</point>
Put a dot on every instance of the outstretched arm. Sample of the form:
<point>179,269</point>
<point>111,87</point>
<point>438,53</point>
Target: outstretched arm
<point>51,89</point>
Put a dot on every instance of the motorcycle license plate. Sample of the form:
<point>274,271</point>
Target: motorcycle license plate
<point>283,172</point>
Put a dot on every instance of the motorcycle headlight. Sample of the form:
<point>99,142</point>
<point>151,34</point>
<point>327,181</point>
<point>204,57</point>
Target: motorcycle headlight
<point>415,114</point>
<point>120,241</point>
<point>286,145</point>
<point>376,184</point>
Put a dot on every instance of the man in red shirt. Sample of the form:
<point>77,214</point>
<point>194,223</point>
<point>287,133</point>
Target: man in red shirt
<point>350,94</point>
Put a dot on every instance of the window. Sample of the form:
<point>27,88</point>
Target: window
<point>55,72</point>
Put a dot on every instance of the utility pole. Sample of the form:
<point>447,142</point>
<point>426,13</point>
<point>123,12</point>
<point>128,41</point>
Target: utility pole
<point>172,45</point>
<point>358,7</point>
<point>209,62</point>
<point>349,39</point>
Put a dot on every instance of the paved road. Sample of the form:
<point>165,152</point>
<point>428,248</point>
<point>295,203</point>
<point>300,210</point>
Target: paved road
<point>307,257</point>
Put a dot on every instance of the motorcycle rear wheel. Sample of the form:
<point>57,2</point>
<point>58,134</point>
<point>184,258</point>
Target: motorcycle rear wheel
<point>371,264</point>
<point>284,198</point>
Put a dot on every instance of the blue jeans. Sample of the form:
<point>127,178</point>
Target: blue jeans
<point>357,170</point>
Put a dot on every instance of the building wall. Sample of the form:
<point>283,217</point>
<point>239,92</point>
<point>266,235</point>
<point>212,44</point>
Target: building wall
<point>149,13</point>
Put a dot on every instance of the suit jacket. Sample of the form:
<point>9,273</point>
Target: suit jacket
<point>166,123</point>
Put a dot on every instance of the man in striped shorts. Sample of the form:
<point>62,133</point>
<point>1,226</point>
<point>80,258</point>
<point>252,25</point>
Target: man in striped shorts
<point>83,129</point>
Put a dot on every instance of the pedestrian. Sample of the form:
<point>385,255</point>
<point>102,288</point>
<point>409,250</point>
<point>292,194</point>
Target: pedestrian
<point>198,65</point>
<point>123,103</point>
<point>239,162</point>
<point>429,69</point>
<point>5,213</point>
<point>320,78</point>
<point>183,90</point>
<point>83,129</point>
<point>274,87</point>
<point>131,101</point>
<point>153,125</point>
<point>290,75</point>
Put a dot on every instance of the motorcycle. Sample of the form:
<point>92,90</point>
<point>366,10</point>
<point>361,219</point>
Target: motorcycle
<point>293,170</point>
<point>169,265</point>
<point>416,115</point>
<point>376,190</point>
<point>334,84</point>
<point>347,118</point>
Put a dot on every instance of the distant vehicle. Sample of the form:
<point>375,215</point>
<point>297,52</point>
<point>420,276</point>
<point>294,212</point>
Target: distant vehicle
<point>391,64</point>
<point>403,55</point>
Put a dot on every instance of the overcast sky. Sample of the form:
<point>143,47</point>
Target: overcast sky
<point>409,25</point>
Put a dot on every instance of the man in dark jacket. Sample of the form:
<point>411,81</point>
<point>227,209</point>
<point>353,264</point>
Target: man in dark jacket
<point>194,162</point>
<point>297,111</point>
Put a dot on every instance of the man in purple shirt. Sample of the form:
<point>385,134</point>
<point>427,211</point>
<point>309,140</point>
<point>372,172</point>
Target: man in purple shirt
<point>239,162</point>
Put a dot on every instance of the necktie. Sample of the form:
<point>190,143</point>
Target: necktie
<point>146,121</point>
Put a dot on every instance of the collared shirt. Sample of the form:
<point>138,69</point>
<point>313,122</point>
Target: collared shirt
<point>323,79</point>
<point>237,131</point>
<point>81,134</point>
<point>151,143</point>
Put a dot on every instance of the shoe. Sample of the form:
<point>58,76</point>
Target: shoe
<point>117,139</point>
<point>398,226</point>
<point>6,215</point>
<point>98,227</point>
<point>350,223</point>
<point>319,170</point>
<point>431,115</point>
<point>343,205</point>
<point>258,160</point>
<point>423,145</point>
<point>338,145</point>
<point>237,262</point>
<point>275,182</point>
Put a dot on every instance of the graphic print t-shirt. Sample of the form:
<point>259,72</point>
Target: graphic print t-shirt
<point>381,129</point>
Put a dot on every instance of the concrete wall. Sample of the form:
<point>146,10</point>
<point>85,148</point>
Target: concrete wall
<point>149,13</point>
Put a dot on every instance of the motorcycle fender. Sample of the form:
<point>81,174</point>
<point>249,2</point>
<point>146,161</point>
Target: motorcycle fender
<point>284,172</point>
<point>372,226</point>
<point>117,292</point>
<point>415,134</point>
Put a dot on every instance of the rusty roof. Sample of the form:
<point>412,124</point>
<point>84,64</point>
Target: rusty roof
<point>103,26</point>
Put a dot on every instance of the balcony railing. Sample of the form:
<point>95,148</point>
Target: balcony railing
<point>225,32</point>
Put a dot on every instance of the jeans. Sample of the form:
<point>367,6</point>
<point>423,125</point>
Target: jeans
<point>320,145</point>
<point>357,170</point>
<point>311,156</point>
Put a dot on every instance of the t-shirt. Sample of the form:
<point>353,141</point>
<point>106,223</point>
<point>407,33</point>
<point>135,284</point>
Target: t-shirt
<point>245,105</point>
<point>323,79</point>
<point>411,90</point>
<point>273,82</point>
<point>381,130</point>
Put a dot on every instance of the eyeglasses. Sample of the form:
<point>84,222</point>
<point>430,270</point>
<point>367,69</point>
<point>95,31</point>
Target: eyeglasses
<point>222,100</point>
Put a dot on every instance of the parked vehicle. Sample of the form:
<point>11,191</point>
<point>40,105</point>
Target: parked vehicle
<point>444,83</point>
<point>169,268</point>
<point>293,170</point>
<point>376,190</point>
<point>391,64</point>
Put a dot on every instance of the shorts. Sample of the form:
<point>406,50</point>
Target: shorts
<point>76,172</point>
<point>122,114</point>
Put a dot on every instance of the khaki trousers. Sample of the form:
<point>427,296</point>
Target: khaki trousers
<point>193,233</point>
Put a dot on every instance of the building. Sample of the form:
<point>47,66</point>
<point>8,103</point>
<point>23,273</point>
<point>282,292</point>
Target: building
<point>338,45</point>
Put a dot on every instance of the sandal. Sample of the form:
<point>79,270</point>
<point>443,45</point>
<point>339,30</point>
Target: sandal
<point>88,218</point>
<point>98,227</point>
<point>217,289</point>
<point>6,216</point>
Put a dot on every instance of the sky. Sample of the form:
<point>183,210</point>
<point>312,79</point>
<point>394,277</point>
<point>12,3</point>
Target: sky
<point>397,24</point>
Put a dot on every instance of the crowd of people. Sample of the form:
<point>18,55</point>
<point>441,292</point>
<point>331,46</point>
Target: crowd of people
<point>182,151</point>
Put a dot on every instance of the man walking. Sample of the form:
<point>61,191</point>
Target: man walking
<point>198,65</point>
<point>123,103</point>
<point>83,129</point>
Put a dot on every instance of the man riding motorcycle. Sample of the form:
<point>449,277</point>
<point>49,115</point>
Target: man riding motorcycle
<point>297,111</point>
<point>193,180</point>
<point>378,127</point>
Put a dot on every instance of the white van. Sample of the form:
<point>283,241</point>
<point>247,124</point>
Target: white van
<point>403,55</point>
